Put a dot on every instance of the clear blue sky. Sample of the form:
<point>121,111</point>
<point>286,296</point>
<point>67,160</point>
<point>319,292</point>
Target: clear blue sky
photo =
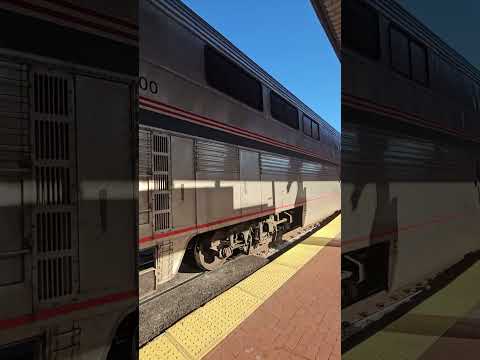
<point>286,39</point>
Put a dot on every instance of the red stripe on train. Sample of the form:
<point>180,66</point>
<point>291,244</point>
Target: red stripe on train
<point>434,220</point>
<point>224,220</point>
<point>74,19</point>
<point>364,104</point>
<point>231,128</point>
<point>66,309</point>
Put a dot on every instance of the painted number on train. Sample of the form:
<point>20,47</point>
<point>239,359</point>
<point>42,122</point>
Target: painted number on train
<point>148,85</point>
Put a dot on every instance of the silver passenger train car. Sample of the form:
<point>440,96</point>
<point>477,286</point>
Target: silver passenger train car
<point>68,193</point>
<point>410,155</point>
<point>227,155</point>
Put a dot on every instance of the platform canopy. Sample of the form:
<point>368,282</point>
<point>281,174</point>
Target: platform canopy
<point>329,14</point>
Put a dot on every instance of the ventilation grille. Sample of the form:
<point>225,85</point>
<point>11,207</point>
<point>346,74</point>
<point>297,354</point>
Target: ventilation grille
<point>162,201</point>
<point>160,144</point>
<point>216,157</point>
<point>51,140</point>
<point>53,185</point>
<point>14,119</point>
<point>273,164</point>
<point>54,231</point>
<point>145,153</point>
<point>162,221</point>
<point>53,166</point>
<point>54,277</point>
<point>50,95</point>
<point>160,163</point>
<point>161,182</point>
<point>280,165</point>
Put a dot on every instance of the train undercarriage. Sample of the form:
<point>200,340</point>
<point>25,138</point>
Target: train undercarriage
<point>364,272</point>
<point>211,250</point>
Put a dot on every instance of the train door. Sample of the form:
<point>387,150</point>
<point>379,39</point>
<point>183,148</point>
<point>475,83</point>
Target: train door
<point>251,189</point>
<point>106,173</point>
<point>107,204</point>
<point>183,181</point>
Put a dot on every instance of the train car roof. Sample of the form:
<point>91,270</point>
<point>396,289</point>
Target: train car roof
<point>187,17</point>
<point>329,14</point>
<point>405,19</point>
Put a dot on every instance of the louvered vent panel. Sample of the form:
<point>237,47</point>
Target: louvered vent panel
<point>145,152</point>
<point>51,140</point>
<point>53,185</point>
<point>162,220</point>
<point>53,167</point>
<point>216,157</point>
<point>14,119</point>
<point>54,277</point>
<point>279,165</point>
<point>50,94</point>
<point>161,181</point>
<point>282,165</point>
<point>53,231</point>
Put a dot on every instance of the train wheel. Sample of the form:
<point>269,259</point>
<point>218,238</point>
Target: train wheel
<point>206,258</point>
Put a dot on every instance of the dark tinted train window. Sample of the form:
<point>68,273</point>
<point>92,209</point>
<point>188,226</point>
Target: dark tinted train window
<point>360,30</point>
<point>399,52</point>
<point>419,62</point>
<point>315,130</point>
<point>307,125</point>
<point>231,79</point>
<point>283,111</point>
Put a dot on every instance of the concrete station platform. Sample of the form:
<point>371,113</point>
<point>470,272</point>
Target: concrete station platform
<point>444,326</point>
<point>288,309</point>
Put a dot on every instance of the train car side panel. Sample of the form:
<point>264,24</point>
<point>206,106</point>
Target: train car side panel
<point>251,192</point>
<point>183,186</point>
<point>107,189</point>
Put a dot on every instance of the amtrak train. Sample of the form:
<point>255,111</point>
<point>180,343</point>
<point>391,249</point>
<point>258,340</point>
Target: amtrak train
<point>410,151</point>
<point>227,156</point>
<point>68,188</point>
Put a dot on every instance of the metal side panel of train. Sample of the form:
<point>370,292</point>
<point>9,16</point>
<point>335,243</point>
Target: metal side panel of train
<point>53,142</point>
<point>68,187</point>
<point>191,186</point>
<point>176,78</point>
<point>409,150</point>
<point>228,156</point>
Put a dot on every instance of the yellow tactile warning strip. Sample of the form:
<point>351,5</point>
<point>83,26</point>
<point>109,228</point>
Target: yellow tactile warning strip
<point>330,231</point>
<point>199,332</point>
<point>411,335</point>
<point>162,348</point>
